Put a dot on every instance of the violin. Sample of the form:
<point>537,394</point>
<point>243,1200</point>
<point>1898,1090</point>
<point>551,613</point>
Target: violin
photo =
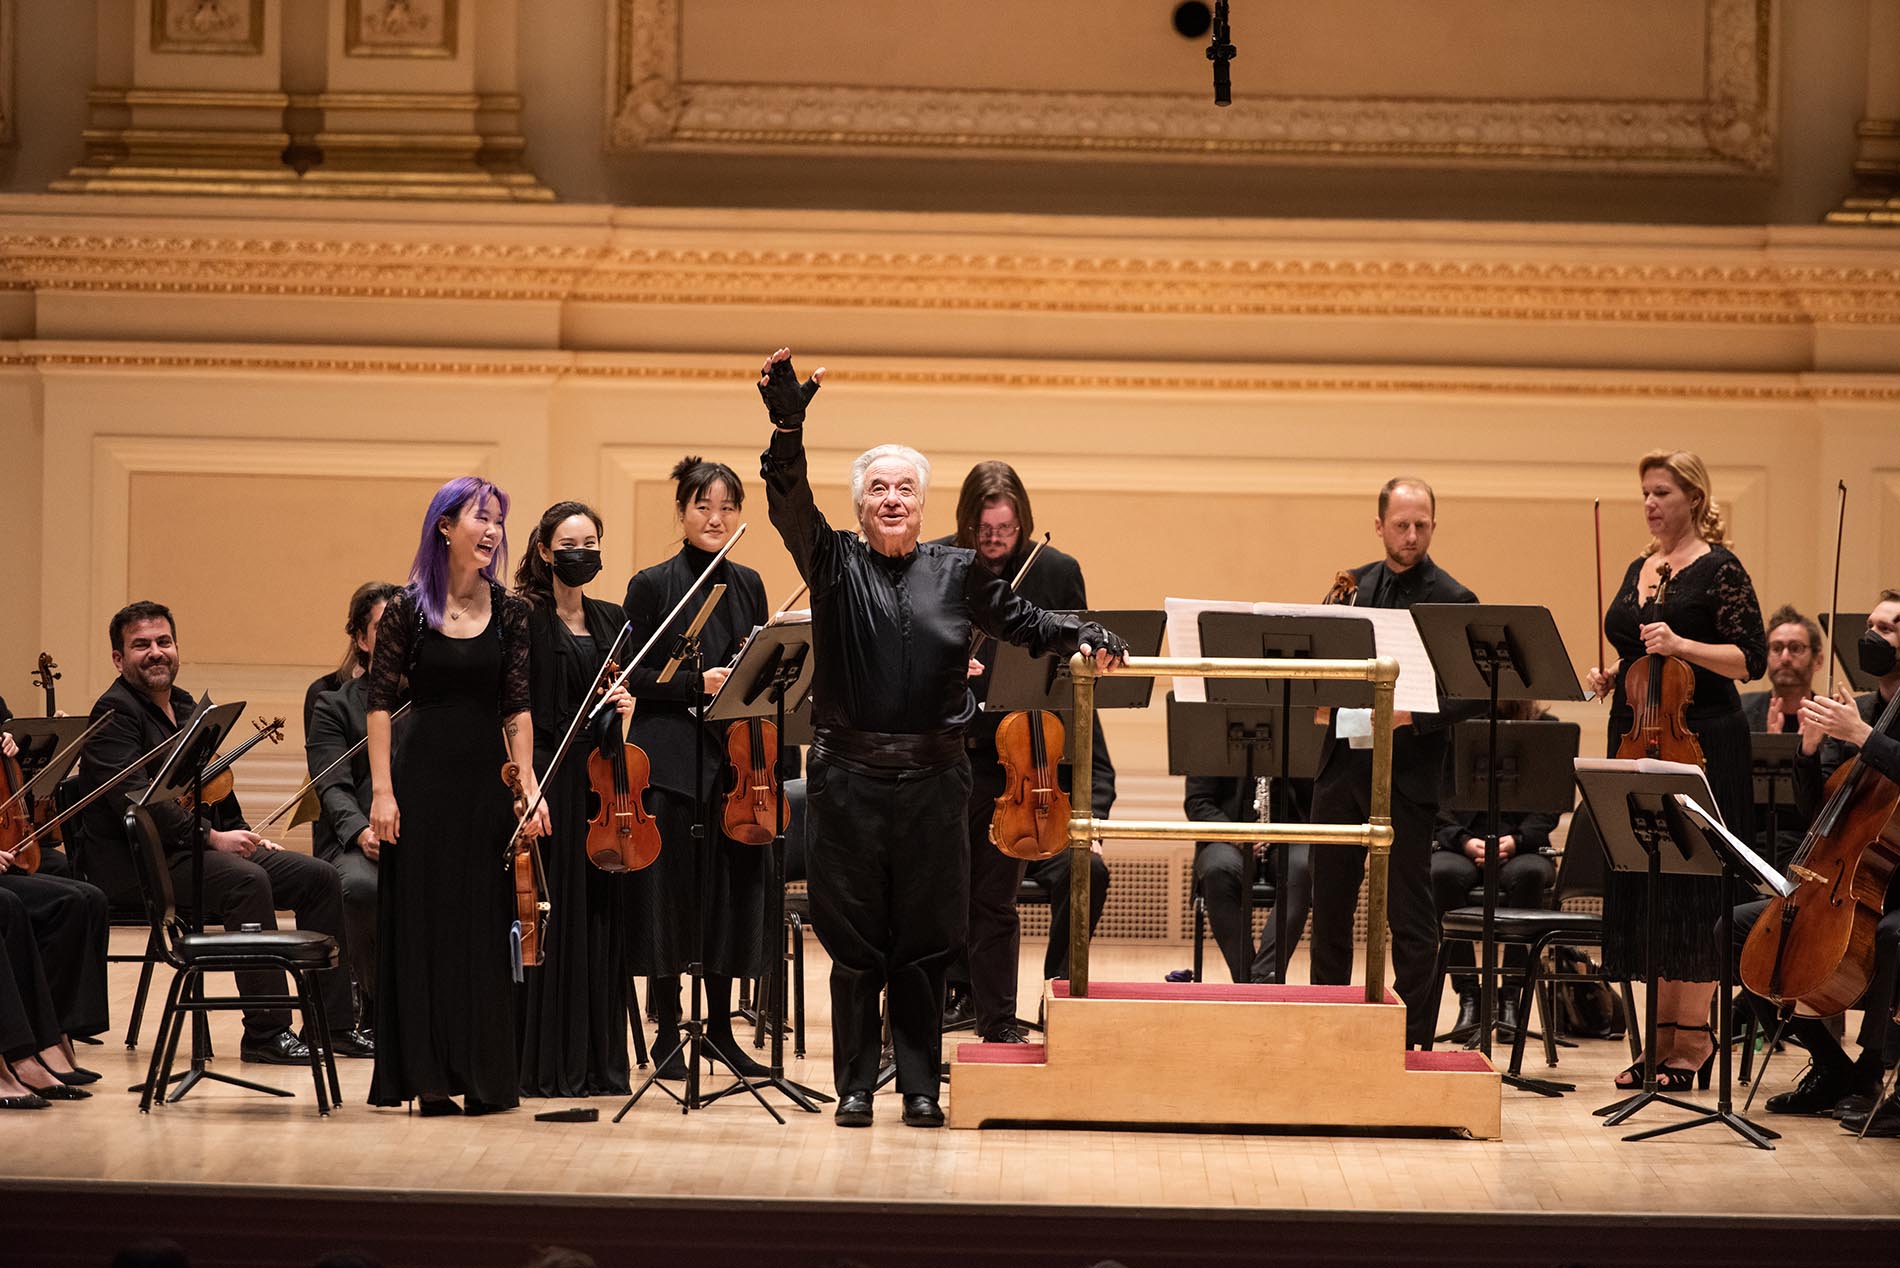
<point>750,816</point>
<point>41,809</point>
<point>17,836</point>
<point>1032,816</point>
<point>621,835</point>
<point>218,782</point>
<point>1659,689</point>
<point>531,885</point>
<point>1345,586</point>
<point>1816,946</point>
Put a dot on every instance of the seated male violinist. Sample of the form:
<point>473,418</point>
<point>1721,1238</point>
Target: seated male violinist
<point>1832,732</point>
<point>246,878</point>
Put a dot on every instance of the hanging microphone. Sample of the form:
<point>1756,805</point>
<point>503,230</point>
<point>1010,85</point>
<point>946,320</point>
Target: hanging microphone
<point>1220,51</point>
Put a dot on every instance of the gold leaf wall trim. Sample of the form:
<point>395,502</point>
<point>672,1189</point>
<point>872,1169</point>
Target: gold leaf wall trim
<point>1767,390</point>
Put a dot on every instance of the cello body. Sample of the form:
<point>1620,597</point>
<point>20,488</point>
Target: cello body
<point>1816,946</point>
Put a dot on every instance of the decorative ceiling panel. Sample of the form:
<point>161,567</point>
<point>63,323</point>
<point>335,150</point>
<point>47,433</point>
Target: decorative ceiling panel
<point>1604,85</point>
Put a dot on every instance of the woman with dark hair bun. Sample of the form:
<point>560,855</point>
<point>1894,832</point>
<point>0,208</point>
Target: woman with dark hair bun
<point>663,924</point>
<point>445,1022</point>
<point>574,1007</point>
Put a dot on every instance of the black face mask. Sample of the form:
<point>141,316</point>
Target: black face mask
<point>576,567</point>
<point>1877,655</point>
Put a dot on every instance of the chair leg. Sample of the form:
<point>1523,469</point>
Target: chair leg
<point>1527,991</point>
<point>1440,969</point>
<point>190,984</point>
<point>637,1021</point>
<point>152,951</point>
<point>166,1020</point>
<point>316,1030</point>
<point>798,987</point>
<point>329,1053</point>
<point>1546,995</point>
<point>1632,1022</point>
<point>1749,1030</point>
<point>1200,934</point>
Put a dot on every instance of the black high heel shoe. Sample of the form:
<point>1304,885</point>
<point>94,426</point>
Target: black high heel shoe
<point>77,1076</point>
<point>1628,1080</point>
<point>1676,1078</point>
<point>59,1092</point>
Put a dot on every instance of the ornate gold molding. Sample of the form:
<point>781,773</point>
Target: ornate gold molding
<point>1730,129</point>
<point>1734,388</point>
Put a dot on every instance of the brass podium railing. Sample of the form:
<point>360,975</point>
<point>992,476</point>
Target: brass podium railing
<point>1375,835</point>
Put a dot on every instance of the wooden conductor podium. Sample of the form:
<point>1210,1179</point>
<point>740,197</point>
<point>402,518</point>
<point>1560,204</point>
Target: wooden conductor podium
<point>1206,1054</point>
<point>1240,1055</point>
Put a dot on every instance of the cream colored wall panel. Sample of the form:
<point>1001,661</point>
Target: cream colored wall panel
<point>24,509</point>
<point>263,319</point>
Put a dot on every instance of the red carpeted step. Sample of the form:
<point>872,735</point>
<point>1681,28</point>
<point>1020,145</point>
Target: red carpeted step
<point>1003,1053</point>
<point>1442,1062</point>
<point>1234,992</point>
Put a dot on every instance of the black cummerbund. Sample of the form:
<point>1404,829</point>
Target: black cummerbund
<point>882,753</point>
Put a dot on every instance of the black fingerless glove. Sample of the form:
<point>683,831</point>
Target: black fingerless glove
<point>784,396</point>
<point>1101,640</point>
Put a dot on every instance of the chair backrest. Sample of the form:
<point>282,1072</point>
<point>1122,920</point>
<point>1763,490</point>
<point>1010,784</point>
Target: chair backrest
<point>155,877</point>
<point>1581,871</point>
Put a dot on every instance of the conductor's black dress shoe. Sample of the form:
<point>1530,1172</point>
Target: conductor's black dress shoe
<point>854,1109</point>
<point>922,1111</point>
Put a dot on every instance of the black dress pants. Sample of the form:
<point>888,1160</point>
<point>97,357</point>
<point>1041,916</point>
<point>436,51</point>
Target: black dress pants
<point>1221,871</point>
<point>993,942</point>
<point>1522,879</point>
<point>69,926</point>
<point>29,1022</point>
<point>1877,1035</point>
<point>1343,794</point>
<point>357,876</point>
<point>240,891</point>
<point>1053,874</point>
<point>889,873</point>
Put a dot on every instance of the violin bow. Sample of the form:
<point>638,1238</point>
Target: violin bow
<point>1834,605</point>
<point>319,777</point>
<point>977,637</point>
<point>586,714</point>
<point>1596,507</point>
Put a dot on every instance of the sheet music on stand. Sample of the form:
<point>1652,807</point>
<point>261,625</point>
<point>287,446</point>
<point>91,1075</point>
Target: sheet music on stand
<point>1393,631</point>
<point>1759,872</point>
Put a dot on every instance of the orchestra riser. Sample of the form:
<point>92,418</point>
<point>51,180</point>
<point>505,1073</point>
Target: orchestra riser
<point>1300,1056</point>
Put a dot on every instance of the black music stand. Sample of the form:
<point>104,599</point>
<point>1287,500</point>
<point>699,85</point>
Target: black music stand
<point>1638,825</point>
<point>773,678</point>
<point>183,776</point>
<point>49,750</point>
<point>1533,766</point>
<point>1772,760</point>
<point>1021,681</point>
<point>1493,652</point>
<point>1245,636</point>
<point>1689,819</point>
<point>1854,623</point>
<point>687,651</point>
<point>1237,741</point>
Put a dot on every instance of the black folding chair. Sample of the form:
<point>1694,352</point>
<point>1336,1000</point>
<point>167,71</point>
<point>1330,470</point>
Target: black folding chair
<point>297,952</point>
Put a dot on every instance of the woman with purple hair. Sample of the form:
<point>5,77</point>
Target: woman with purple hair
<point>444,1001</point>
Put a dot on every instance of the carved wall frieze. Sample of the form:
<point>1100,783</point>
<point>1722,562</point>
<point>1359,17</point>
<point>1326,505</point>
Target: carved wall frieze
<point>1718,281</point>
<point>1731,128</point>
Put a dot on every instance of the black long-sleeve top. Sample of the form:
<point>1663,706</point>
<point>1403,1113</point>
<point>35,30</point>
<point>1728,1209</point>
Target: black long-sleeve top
<point>1881,752</point>
<point>137,726</point>
<point>892,635</point>
<point>1709,600</point>
<point>339,720</point>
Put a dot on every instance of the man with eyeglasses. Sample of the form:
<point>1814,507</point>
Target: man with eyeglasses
<point>994,519</point>
<point>1794,652</point>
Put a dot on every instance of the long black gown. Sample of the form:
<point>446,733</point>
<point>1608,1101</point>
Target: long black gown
<point>662,922</point>
<point>1710,600</point>
<point>574,1007</point>
<point>445,1019</point>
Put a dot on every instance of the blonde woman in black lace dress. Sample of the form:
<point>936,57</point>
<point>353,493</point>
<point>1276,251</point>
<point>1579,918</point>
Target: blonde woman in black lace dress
<point>1711,619</point>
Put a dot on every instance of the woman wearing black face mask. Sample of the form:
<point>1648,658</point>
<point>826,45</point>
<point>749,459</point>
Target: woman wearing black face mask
<point>663,928</point>
<point>574,1007</point>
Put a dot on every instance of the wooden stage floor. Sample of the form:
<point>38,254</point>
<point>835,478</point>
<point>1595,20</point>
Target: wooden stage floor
<point>227,1171</point>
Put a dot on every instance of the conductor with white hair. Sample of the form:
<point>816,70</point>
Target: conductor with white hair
<point>888,776</point>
